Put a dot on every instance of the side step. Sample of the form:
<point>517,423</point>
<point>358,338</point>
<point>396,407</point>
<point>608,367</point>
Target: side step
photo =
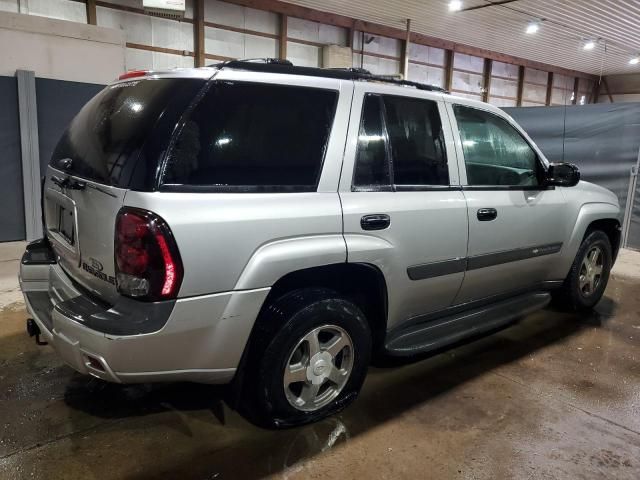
<point>437,333</point>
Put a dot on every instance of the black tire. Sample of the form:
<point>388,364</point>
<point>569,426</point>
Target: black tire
<point>572,296</point>
<point>280,328</point>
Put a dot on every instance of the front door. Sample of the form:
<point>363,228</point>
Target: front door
<point>403,209</point>
<point>516,223</point>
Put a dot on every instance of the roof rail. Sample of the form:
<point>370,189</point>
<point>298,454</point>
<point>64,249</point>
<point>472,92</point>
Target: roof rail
<point>276,65</point>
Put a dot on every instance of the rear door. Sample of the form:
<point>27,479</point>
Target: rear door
<point>516,223</point>
<point>403,209</point>
<point>114,143</point>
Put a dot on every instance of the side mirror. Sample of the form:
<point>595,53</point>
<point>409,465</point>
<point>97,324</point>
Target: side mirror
<point>563,175</point>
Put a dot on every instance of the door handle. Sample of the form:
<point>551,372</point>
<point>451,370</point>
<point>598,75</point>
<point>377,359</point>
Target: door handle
<point>487,214</point>
<point>375,222</point>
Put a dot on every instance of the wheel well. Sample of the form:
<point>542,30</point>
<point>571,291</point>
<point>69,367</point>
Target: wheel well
<point>360,283</point>
<point>611,227</point>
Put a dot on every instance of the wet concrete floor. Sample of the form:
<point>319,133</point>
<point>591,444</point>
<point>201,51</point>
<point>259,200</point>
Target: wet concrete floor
<point>554,396</point>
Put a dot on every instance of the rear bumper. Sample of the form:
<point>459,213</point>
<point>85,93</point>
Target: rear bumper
<point>202,340</point>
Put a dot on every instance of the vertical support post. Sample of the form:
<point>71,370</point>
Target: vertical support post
<point>576,85</point>
<point>92,15</point>
<point>606,88</point>
<point>595,95</point>
<point>486,79</point>
<point>628,208</point>
<point>549,89</point>
<point>349,37</point>
<point>405,51</point>
<point>448,70</point>
<point>520,86</point>
<point>283,37</point>
<point>198,33</point>
<point>29,145</point>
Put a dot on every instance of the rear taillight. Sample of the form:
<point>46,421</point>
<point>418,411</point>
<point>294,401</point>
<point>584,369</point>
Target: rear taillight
<point>148,265</point>
<point>133,74</point>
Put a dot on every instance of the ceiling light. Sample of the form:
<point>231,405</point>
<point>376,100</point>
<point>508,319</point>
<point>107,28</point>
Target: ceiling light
<point>635,60</point>
<point>455,5</point>
<point>533,27</point>
<point>589,45</point>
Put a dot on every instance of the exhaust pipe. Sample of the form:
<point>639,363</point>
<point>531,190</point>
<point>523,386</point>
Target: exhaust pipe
<point>34,331</point>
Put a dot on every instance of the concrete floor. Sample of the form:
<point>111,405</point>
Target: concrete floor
<point>555,396</point>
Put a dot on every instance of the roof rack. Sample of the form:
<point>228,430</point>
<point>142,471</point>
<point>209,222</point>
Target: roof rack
<point>276,65</point>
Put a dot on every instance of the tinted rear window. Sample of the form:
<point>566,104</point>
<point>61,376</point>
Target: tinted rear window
<point>254,137</point>
<point>105,139</point>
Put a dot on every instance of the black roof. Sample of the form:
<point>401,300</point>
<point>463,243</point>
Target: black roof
<point>274,65</point>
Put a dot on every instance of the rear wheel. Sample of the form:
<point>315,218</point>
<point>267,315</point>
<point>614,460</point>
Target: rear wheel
<point>587,280</point>
<point>309,360</point>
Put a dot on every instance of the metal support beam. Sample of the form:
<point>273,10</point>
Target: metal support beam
<point>520,86</point>
<point>596,92</point>
<point>30,153</point>
<point>576,85</point>
<point>198,33</point>
<point>92,15</point>
<point>486,79</point>
<point>283,37</point>
<point>549,89</point>
<point>486,5</point>
<point>405,52</point>
<point>448,70</point>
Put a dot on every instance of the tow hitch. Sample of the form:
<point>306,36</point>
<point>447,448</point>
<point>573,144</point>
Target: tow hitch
<point>34,331</point>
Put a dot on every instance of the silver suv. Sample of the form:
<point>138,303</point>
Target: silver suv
<point>275,226</point>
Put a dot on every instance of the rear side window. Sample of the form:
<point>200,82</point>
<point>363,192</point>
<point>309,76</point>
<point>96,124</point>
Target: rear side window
<point>104,140</point>
<point>253,137</point>
<point>417,141</point>
<point>400,145</point>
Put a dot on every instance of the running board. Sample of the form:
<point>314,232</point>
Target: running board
<point>437,333</point>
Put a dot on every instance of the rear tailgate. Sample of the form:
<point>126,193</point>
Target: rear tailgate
<point>115,143</point>
<point>80,225</point>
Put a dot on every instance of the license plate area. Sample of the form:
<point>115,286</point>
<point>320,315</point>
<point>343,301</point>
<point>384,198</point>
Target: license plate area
<point>66,224</point>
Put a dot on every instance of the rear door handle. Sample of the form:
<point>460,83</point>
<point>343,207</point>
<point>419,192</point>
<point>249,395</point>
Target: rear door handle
<point>487,214</point>
<point>375,222</point>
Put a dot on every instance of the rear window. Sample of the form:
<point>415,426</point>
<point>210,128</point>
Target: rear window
<point>105,139</point>
<point>253,137</point>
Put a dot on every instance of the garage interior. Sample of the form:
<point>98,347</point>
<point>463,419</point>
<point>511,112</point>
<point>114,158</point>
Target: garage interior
<point>556,395</point>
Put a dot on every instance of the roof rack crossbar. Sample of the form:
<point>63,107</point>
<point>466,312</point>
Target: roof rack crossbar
<point>276,65</point>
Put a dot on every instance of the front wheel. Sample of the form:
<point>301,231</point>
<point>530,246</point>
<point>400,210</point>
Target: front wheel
<point>587,280</point>
<point>313,360</point>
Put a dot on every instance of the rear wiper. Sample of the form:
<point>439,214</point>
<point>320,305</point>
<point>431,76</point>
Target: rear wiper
<point>68,183</point>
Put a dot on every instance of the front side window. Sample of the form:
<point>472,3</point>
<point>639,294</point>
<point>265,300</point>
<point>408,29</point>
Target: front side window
<point>400,144</point>
<point>254,137</point>
<point>494,151</point>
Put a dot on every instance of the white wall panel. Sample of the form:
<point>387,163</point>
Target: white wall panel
<point>562,81</point>
<point>468,82</point>
<point>504,88</point>
<point>468,62</point>
<point>9,6</point>
<point>534,93</point>
<point>560,97</point>
<point>378,44</point>
<point>223,42</point>
<point>145,60</point>
<point>535,76</point>
<point>425,74</point>
<point>506,70</point>
<point>332,35</point>
<point>531,104</point>
<point>261,21</point>
<point>502,102</point>
<point>148,30</point>
<point>241,17</point>
<point>304,55</point>
<point>58,9</point>
<point>218,41</point>
<point>422,53</point>
<point>376,65</point>
<point>60,49</point>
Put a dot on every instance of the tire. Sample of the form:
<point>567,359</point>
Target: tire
<point>321,380</point>
<point>583,288</point>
